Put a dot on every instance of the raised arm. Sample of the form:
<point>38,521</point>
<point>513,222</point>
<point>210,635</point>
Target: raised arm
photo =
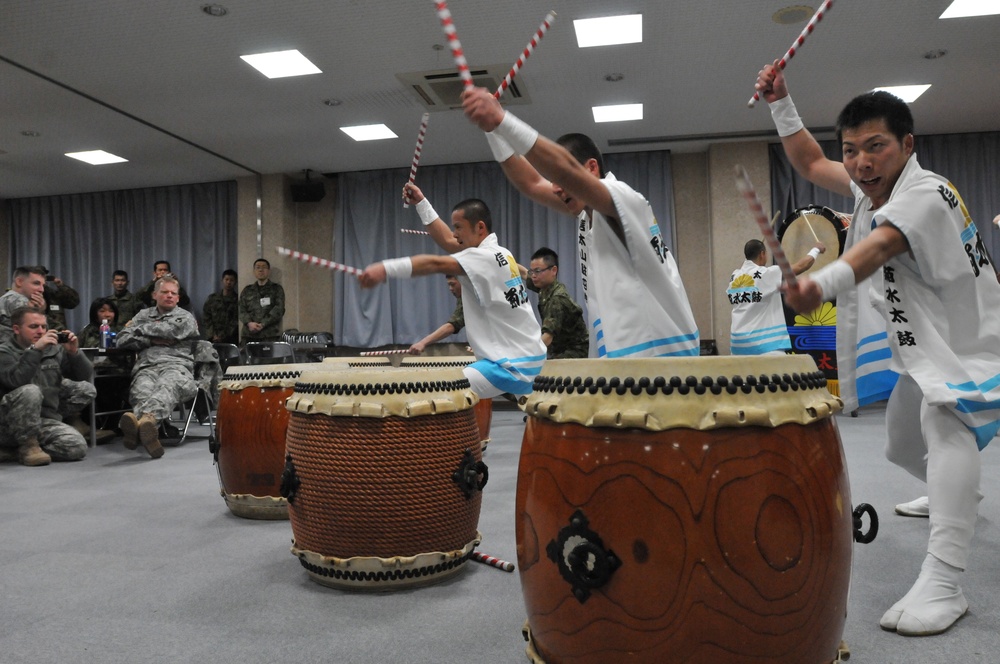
<point>435,226</point>
<point>802,149</point>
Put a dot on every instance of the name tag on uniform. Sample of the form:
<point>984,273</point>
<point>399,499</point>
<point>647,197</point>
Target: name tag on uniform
<point>265,301</point>
<point>53,307</point>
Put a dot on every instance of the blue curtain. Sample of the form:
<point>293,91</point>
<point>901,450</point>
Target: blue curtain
<point>83,238</point>
<point>370,216</point>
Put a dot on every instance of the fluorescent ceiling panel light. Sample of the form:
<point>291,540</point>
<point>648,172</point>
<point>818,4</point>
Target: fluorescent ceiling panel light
<point>280,64</point>
<point>96,157</point>
<point>374,132</point>
<point>608,30</point>
<point>907,93</point>
<point>961,8</point>
<point>618,113</point>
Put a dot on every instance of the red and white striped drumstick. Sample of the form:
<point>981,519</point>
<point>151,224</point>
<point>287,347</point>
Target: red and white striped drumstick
<point>537,37</point>
<point>495,562</point>
<point>810,26</point>
<point>456,46</point>
<point>315,260</point>
<point>413,232</point>
<point>417,150</point>
<point>373,353</point>
<point>746,188</point>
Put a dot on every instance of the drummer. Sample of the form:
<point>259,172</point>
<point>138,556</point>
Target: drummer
<point>941,306</point>
<point>758,326</point>
<point>500,324</point>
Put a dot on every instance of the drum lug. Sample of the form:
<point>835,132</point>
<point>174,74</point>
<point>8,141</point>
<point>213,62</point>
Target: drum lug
<point>581,557</point>
<point>290,482</point>
<point>213,447</point>
<point>859,511</point>
<point>467,477</point>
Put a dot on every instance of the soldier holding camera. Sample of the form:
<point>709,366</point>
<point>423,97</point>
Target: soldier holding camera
<point>43,377</point>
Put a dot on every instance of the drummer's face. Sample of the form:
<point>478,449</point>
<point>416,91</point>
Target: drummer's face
<point>875,158</point>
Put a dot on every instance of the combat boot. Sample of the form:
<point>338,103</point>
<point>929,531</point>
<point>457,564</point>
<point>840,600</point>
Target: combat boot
<point>30,453</point>
<point>130,430</point>
<point>77,423</point>
<point>149,435</point>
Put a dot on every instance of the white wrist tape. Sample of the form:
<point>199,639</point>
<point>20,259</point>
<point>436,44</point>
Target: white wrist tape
<point>835,278</point>
<point>786,118</point>
<point>518,134</point>
<point>500,148</point>
<point>398,268</point>
<point>426,212</point>
<point>814,253</point>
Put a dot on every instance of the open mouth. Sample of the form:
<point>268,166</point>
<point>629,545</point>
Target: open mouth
<point>870,182</point>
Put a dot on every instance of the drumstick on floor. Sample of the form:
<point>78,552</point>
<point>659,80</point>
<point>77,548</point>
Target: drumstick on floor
<point>493,562</point>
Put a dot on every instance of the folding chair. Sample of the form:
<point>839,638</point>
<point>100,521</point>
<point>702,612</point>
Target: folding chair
<point>269,352</point>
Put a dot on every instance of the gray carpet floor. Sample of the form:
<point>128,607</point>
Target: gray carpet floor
<point>120,558</point>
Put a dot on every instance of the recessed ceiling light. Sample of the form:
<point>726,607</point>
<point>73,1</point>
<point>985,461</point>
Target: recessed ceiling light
<point>614,78</point>
<point>792,15</point>
<point>96,157</point>
<point>935,54</point>
<point>332,102</point>
<point>618,113</point>
<point>374,132</point>
<point>214,10</point>
<point>960,8</point>
<point>608,30</point>
<point>907,93</point>
<point>280,64</point>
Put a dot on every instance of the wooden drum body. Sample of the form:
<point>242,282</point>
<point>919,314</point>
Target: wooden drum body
<point>683,510</point>
<point>383,476</point>
<point>483,409</point>
<point>250,426</point>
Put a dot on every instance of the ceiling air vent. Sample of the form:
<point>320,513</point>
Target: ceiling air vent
<point>441,90</point>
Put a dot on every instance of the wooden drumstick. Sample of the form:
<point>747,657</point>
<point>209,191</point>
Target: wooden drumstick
<point>810,227</point>
<point>493,562</point>
<point>745,186</point>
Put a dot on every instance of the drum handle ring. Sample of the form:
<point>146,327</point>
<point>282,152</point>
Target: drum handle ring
<point>290,482</point>
<point>581,557</point>
<point>468,475</point>
<point>865,537</point>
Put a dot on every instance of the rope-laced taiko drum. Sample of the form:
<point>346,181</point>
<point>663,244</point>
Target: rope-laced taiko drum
<point>483,409</point>
<point>683,510</point>
<point>383,476</point>
<point>250,427</point>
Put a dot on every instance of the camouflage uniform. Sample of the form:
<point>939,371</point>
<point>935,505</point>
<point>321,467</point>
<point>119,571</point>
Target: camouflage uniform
<point>457,319</point>
<point>10,301</point>
<point>563,319</point>
<point>128,305</point>
<point>39,388</point>
<point>90,336</point>
<point>163,376</point>
<point>57,300</point>
<point>145,296</point>
<point>270,315</point>
<point>221,315</point>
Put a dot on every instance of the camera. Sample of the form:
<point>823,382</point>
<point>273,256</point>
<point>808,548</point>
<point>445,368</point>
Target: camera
<point>63,337</point>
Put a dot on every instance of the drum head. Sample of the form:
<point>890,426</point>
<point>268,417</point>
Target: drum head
<point>800,230</point>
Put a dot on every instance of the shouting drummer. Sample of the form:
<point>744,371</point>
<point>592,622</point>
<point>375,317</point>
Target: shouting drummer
<point>500,325</point>
<point>758,326</point>
<point>940,304</point>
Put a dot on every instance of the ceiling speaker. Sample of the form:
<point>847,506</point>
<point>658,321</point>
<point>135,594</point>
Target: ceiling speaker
<point>308,192</point>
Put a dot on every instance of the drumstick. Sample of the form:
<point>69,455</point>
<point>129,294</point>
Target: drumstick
<point>537,37</point>
<point>417,150</point>
<point>372,353</point>
<point>810,227</point>
<point>413,232</point>
<point>750,195</point>
<point>490,560</point>
<point>456,46</point>
<point>810,26</point>
<point>315,260</point>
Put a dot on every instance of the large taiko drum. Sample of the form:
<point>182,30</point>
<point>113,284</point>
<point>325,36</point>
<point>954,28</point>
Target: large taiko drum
<point>483,409</point>
<point>383,476</point>
<point>250,429</point>
<point>683,510</point>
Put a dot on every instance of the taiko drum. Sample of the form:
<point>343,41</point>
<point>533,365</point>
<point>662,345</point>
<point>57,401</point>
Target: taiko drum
<point>683,510</point>
<point>483,409</point>
<point>383,476</point>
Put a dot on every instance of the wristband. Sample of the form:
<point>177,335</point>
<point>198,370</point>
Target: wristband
<point>814,253</point>
<point>835,278</point>
<point>786,118</point>
<point>500,148</point>
<point>518,134</point>
<point>398,268</point>
<point>426,212</point>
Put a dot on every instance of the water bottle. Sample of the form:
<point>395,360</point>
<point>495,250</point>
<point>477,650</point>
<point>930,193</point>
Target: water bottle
<point>105,335</point>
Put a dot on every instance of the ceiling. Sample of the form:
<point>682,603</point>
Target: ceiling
<point>161,83</point>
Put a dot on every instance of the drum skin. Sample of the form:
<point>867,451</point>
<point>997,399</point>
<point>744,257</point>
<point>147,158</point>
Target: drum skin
<point>251,425</point>
<point>728,545</point>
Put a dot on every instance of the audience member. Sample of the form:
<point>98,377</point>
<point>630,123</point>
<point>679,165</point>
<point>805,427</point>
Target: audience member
<point>451,326</point>
<point>564,331</point>
<point>27,289</point>
<point>262,305</point>
<point>128,303</point>
<point>162,269</point>
<point>221,312</point>
<point>163,374</point>
<point>101,309</point>
<point>58,298</point>
<point>43,377</point>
